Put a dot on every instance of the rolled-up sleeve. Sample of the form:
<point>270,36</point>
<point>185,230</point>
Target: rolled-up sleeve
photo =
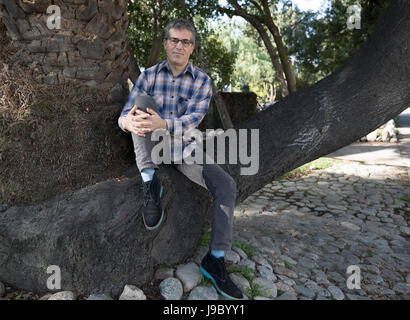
<point>196,110</point>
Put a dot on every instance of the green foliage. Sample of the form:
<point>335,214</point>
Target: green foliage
<point>322,41</point>
<point>140,30</point>
<point>219,59</point>
<point>205,282</point>
<point>288,264</point>
<point>257,290</point>
<point>245,248</point>
<point>253,69</point>
<point>205,239</point>
<point>148,19</point>
<point>247,272</point>
<point>236,55</point>
<point>318,164</point>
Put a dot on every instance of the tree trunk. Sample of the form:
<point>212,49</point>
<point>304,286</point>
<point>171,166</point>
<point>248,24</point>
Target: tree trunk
<point>90,48</point>
<point>275,60</point>
<point>222,110</point>
<point>134,69</point>
<point>100,245</point>
<point>274,30</point>
<point>155,51</point>
<point>268,44</point>
<point>156,34</point>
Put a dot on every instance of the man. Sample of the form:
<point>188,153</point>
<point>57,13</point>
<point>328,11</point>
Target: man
<point>174,95</point>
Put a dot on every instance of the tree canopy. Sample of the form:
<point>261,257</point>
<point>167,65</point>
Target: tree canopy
<point>315,43</point>
<point>148,19</point>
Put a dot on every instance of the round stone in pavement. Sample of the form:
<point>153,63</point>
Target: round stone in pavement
<point>267,273</point>
<point>203,293</point>
<point>240,281</point>
<point>302,290</point>
<point>171,289</point>
<point>62,295</point>
<point>286,296</point>
<point>232,257</point>
<point>336,293</point>
<point>163,273</point>
<point>131,292</point>
<point>189,274</point>
<point>402,288</point>
<point>266,287</point>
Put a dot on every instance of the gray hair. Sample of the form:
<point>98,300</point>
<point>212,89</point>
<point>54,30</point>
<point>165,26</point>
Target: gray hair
<point>180,24</point>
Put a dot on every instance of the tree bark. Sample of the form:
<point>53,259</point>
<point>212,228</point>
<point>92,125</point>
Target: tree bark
<point>274,30</point>
<point>156,34</point>
<point>90,48</point>
<point>134,69</point>
<point>284,89</point>
<point>100,245</point>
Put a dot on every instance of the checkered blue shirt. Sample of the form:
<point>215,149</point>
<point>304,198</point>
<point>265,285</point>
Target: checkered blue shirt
<point>181,101</point>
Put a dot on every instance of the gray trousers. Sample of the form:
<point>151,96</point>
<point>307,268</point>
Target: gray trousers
<point>210,176</point>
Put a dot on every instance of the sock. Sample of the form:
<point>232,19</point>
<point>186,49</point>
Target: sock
<point>218,253</point>
<point>147,174</point>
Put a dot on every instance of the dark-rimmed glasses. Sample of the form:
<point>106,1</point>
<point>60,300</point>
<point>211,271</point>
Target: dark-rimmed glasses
<point>185,42</point>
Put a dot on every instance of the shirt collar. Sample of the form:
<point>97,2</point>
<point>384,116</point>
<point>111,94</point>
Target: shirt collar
<point>189,68</point>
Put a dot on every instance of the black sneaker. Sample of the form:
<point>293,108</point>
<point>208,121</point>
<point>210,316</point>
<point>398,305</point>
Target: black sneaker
<point>214,268</point>
<point>152,212</point>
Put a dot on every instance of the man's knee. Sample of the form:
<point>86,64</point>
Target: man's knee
<point>144,102</point>
<point>231,184</point>
<point>227,188</point>
<point>219,182</point>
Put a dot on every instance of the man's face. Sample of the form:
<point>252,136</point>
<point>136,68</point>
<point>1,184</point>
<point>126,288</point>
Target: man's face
<point>178,54</point>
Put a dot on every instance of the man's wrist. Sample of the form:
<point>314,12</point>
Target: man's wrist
<point>122,124</point>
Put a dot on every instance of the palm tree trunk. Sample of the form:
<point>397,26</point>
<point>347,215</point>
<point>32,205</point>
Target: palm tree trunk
<point>90,48</point>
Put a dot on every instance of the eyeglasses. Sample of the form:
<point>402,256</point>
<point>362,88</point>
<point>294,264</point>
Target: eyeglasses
<point>185,42</point>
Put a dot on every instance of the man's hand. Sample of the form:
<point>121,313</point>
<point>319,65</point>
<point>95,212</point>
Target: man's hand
<point>156,121</point>
<point>141,122</point>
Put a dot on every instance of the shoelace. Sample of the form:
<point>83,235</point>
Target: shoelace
<point>145,189</point>
<point>223,269</point>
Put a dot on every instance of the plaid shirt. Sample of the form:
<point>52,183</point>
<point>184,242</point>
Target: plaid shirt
<point>181,101</point>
